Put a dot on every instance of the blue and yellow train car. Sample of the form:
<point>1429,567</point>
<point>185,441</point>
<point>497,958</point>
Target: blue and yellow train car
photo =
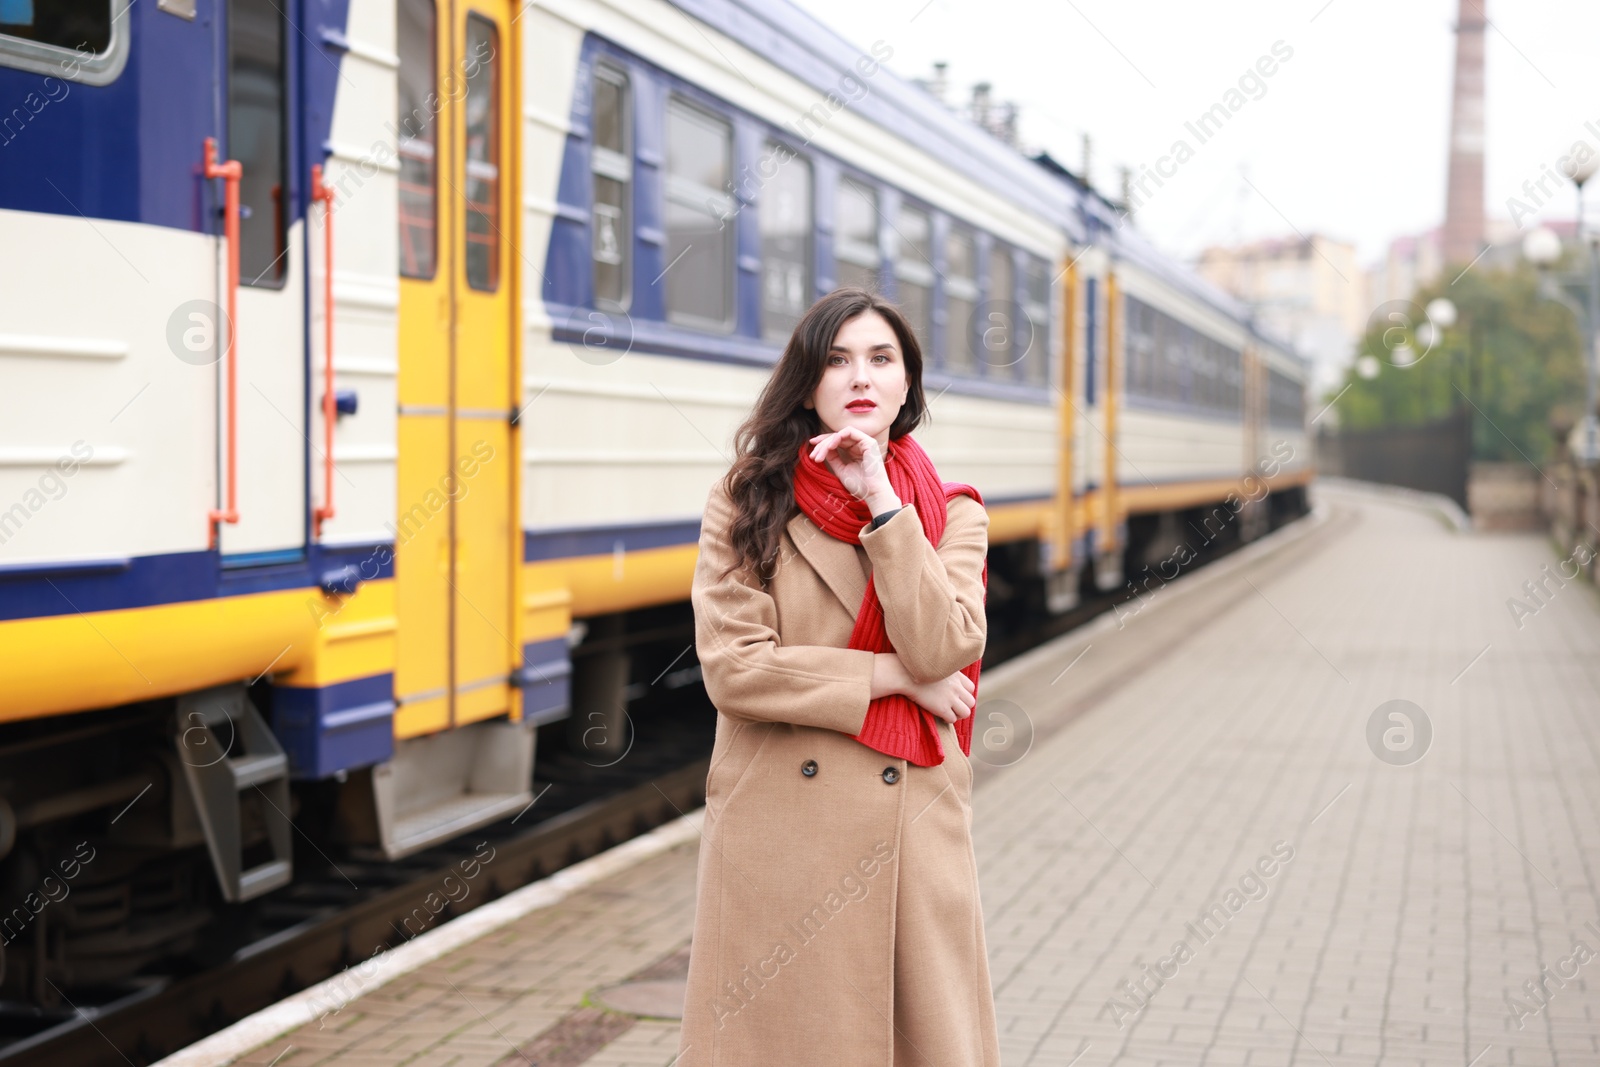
<point>365,364</point>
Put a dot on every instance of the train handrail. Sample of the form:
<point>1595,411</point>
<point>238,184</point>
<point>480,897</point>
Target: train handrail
<point>321,190</point>
<point>230,171</point>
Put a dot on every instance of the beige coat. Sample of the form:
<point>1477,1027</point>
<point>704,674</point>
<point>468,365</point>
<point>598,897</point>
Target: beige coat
<point>838,920</point>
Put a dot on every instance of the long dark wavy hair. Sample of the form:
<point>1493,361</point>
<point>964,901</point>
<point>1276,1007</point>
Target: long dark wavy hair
<point>760,483</point>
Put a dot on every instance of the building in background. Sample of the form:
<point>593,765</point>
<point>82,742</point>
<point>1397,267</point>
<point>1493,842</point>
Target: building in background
<point>1308,291</point>
<point>1412,261</point>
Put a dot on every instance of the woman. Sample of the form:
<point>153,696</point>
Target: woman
<point>839,619</point>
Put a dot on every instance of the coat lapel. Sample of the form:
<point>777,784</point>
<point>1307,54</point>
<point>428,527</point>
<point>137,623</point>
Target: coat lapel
<point>834,561</point>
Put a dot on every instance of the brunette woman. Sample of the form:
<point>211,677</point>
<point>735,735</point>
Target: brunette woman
<point>839,620</point>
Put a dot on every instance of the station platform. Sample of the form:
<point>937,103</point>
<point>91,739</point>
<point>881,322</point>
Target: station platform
<point>1225,844</point>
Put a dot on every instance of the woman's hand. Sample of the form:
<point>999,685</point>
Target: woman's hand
<point>857,461</point>
<point>950,699</point>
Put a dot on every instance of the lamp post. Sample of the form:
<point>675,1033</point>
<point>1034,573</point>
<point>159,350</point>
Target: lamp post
<point>1581,173</point>
<point>1542,248</point>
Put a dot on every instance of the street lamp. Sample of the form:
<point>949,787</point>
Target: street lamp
<point>1441,312</point>
<point>1581,173</point>
<point>1543,248</point>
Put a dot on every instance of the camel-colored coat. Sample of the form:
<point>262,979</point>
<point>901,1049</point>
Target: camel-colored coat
<point>838,920</point>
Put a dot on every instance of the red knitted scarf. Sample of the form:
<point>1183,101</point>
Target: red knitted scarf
<point>895,724</point>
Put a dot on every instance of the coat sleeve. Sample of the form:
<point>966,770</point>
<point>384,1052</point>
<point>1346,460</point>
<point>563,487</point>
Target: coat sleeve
<point>748,673</point>
<point>932,598</point>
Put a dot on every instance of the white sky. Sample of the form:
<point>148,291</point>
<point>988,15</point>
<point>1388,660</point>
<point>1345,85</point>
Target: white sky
<point>1348,140</point>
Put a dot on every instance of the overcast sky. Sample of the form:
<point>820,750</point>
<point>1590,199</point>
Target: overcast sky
<point>1348,137</point>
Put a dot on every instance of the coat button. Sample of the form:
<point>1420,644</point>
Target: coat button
<point>890,775</point>
<point>809,768</point>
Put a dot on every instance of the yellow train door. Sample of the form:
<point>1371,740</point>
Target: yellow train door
<point>456,554</point>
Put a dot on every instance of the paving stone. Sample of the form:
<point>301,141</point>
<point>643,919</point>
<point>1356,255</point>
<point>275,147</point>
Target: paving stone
<point>1217,729</point>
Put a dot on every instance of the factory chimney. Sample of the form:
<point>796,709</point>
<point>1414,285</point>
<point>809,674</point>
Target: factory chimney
<point>1463,213</point>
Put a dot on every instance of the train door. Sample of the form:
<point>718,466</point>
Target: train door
<point>262,423</point>
<point>455,551</point>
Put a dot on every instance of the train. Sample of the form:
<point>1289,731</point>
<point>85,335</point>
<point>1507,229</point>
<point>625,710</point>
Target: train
<point>365,366</point>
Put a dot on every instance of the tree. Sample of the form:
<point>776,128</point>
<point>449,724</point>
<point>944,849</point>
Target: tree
<point>1512,354</point>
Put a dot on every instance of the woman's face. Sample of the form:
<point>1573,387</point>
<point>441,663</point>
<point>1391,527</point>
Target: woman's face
<point>864,381</point>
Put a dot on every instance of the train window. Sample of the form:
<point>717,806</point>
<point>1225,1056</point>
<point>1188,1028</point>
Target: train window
<point>77,40</point>
<point>1285,400</point>
<point>611,166</point>
<point>1001,320</point>
<point>785,217</point>
<point>699,270</point>
<point>961,298</point>
<point>855,238</point>
<point>417,137</point>
<point>1036,305</point>
<point>913,269</point>
<point>482,252</point>
<point>256,124</point>
<point>1138,347</point>
<point>1169,360</point>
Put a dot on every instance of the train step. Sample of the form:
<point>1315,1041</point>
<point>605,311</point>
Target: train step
<point>238,778</point>
<point>443,785</point>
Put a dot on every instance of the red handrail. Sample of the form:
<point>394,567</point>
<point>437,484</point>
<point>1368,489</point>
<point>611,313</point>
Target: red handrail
<point>230,171</point>
<point>321,190</point>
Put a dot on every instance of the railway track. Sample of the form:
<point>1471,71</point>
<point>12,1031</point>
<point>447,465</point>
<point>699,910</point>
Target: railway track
<point>162,1015</point>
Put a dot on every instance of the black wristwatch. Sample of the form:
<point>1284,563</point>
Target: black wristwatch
<point>879,520</point>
